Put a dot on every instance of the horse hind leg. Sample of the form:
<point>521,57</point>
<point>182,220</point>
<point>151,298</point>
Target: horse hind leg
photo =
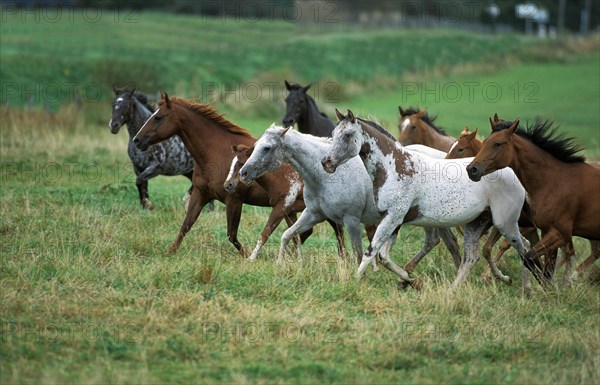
<point>339,237</point>
<point>451,243</point>
<point>492,239</point>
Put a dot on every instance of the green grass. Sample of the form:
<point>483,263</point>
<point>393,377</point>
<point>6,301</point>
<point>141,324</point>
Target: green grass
<point>90,296</point>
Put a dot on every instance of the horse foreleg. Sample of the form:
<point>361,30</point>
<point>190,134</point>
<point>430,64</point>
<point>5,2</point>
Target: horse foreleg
<point>339,237</point>
<point>197,202</point>
<point>142,182</point>
<point>473,232</point>
<point>233,210</point>
<point>307,220</point>
<point>493,237</point>
<point>566,258</point>
<point>432,238</point>
<point>387,229</point>
<point>277,214</point>
<point>548,245</point>
<point>353,226</point>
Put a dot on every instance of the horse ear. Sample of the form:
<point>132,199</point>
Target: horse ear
<point>421,114</point>
<point>284,132</point>
<point>304,89</point>
<point>287,85</point>
<point>492,124</point>
<point>167,101</point>
<point>472,135</point>
<point>465,131</point>
<point>351,117</point>
<point>234,148</point>
<point>339,115</point>
<point>132,91</point>
<point>401,111</point>
<point>513,127</point>
<point>496,118</point>
<point>115,89</point>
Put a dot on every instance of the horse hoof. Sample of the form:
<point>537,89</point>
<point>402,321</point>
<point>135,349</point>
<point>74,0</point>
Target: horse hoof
<point>416,284</point>
<point>508,281</point>
<point>402,285</point>
<point>147,204</point>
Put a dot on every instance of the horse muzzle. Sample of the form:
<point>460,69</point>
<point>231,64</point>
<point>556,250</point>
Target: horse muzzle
<point>246,177</point>
<point>229,186</point>
<point>114,127</point>
<point>329,165</point>
<point>475,173</point>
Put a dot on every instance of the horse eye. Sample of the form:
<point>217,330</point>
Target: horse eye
<point>267,149</point>
<point>497,144</point>
<point>461,150</point>
<point>158,118</point>
<point>414,127</point>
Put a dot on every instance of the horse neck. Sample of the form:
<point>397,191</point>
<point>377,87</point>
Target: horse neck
<point>436,140</point>
<point>304,153</point>
<point>205,139</point>
<point>533,166</point>
<point>376,158</point>
<point>138,114</point>
<point>312,120</point>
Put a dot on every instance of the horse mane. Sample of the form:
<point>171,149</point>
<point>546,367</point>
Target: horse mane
<point>377,126</point>
<point>427,119</point>
<point>143,98</point>
<point>210,113</point>
<point>545,135</point>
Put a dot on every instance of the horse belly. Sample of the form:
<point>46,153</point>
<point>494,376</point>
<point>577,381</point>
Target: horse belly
<point>448,208</point>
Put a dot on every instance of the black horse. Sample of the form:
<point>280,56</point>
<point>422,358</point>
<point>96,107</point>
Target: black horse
<point>302,109</point>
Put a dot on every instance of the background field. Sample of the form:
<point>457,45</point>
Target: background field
<point>89,296</point>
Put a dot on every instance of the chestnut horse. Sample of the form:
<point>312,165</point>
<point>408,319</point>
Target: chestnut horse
<point>562,186</point>
<point>208,137</point>
<point>285,190</point>
<point>417,127</point>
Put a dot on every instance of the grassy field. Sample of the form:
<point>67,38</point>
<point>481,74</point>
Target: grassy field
<point>89,295</point>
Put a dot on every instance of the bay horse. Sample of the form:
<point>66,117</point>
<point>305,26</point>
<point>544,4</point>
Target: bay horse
<point>167,158</point>
<point>301,108</point>
<point>417,127</point>
<point>208,136</point>
<point>409,189</point>
<point>285,190</point>
<point>562,186</point>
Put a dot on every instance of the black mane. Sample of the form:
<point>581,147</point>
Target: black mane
<point>545,135</point>
<point>427,119</point>
<point>377,126</point>
<point>143,98</point>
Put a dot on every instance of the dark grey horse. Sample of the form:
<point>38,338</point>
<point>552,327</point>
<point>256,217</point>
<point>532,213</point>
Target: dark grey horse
<point>302,109</point>
<point>166,158</point>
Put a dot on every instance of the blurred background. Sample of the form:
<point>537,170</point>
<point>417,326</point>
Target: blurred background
<point>462,60</point>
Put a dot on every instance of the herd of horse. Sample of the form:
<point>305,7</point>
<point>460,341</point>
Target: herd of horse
<point>355,174</point>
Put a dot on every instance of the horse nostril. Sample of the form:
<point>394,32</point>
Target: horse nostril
<point>474,170</point>
<point>136,140</point>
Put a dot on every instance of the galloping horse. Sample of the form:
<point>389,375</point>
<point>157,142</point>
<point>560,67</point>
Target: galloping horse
<point>562,186</point>
<point>167,158</point>
<point>208,136</point>
<point>285,190</point>
<point>417,127</point>
<point>301,108</point>
<point>409,189</point>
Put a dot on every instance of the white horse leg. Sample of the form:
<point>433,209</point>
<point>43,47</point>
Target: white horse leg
<point>473,231</point>
<point>526,282</point>
<point>307,220</point>
<point>432,239</point>
<point>386,231</point>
